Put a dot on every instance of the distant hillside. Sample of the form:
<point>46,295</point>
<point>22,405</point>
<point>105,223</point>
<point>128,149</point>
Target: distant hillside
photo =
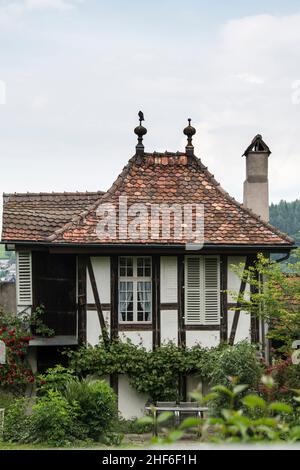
<point>286,217</point>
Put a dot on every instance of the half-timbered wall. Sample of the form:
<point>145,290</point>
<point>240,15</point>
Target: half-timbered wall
<point>97,283</point>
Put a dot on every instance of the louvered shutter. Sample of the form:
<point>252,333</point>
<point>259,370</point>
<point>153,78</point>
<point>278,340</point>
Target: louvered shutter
<point>211,267</point>
<point>193,290</point>
<point>24,278</point>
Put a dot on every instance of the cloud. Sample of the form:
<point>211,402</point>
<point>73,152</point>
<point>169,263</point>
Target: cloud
<point>15,8</point>
<point>55,4</point>
<point>74,93</point>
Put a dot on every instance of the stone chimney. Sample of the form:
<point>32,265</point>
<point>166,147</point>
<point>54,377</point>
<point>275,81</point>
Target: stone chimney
<point>256,186</point>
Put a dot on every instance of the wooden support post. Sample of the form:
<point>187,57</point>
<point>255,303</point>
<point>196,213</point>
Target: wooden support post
<point>181,322</point>
<point>224,299</point>
<point>156,300</point>
<point>114,312</point>
<point>249,261</point>
<point>82,301</point>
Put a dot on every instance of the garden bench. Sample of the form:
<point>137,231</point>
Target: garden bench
<point>179,409</point>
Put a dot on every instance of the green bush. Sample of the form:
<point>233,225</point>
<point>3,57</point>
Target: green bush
<point>97,405</point>
<point>54,421</point>
<point>6,399</point>
<point>55,378</point>
<point>17,422</point>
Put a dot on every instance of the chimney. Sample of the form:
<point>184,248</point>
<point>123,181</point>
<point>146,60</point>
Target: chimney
<point>256,186</point>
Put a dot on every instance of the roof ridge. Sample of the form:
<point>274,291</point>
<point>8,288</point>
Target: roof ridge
<point>53,193</point>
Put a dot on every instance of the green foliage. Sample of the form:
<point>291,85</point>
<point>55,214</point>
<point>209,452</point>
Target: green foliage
<point>55,378</point>
<point>276,300</point>
<point>27,323</point>
<point>156,373</point>
<point>286,216</point>
<point>97,405</point>
<point>6,398</point>
<point>54,420</point>
<point>135,426</point>
<point>244,419</point>
<point>17,422</point>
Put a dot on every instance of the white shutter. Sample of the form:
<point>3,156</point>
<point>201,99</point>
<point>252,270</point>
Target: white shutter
<point>202,290</point>
<point>211,290</point>
<point>24,278</point>
<point>168,290</point>
<point>193,290</point>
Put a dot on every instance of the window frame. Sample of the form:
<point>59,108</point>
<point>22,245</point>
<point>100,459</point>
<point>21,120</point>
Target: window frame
<point>135,279</point>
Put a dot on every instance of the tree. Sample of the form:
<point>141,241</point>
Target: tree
<point>275,298</point>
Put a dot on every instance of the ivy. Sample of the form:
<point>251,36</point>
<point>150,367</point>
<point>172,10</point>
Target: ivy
<point>156,373</point>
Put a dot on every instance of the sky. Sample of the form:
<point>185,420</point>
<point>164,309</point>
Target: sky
<point>75,73</point>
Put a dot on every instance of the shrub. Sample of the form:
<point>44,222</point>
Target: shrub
<point>17,422</point>
<point>97,405</point>
<point>235,361</point>
<point>55,378</point>
<point>54,421</point>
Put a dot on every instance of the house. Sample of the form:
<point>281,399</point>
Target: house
<point>150,258</point>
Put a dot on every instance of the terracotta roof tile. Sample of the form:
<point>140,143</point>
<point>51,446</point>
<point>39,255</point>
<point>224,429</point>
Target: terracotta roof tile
<point>171,178</point>
<point>33,217</point>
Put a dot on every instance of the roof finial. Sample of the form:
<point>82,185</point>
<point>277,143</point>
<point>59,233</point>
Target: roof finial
<point>189,131</point>
<point>140,131</point>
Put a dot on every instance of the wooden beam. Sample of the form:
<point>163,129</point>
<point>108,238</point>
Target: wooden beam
<point>156,301</point>
<point>98,302</point>
<point>81,270</point>
<point>114,294</point>
<point>254,318</point>
<point>180,282</point>
<point>249,261</point>
<point>224,299</point>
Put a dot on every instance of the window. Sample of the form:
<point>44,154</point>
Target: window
<point>135,289</point>
<point>202,290</point>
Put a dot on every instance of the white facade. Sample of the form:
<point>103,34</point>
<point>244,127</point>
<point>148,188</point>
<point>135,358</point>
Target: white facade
<point>207,335</point>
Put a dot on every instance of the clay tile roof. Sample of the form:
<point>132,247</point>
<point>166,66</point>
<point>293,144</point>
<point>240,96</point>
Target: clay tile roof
<point>34,217</point>
<point>170,178</point>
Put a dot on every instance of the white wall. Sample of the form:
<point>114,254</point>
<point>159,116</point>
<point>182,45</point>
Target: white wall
<point>206,339</point>
<point>143,338</point>
<point>131,403</point>
<point>169,326</point>
<point>101,268</point>
<point>93,329</point>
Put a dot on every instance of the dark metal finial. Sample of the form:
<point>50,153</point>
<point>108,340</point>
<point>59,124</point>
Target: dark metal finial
<point>140,131</point>
<point>189,131</point>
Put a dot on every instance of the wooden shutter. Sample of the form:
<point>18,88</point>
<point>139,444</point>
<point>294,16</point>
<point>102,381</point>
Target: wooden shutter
<point>202,290</point>
<point>211,290</point>
<point>193,290</point>
<point>24,278</point>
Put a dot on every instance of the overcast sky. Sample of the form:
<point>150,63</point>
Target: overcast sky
<point>76,73</point>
